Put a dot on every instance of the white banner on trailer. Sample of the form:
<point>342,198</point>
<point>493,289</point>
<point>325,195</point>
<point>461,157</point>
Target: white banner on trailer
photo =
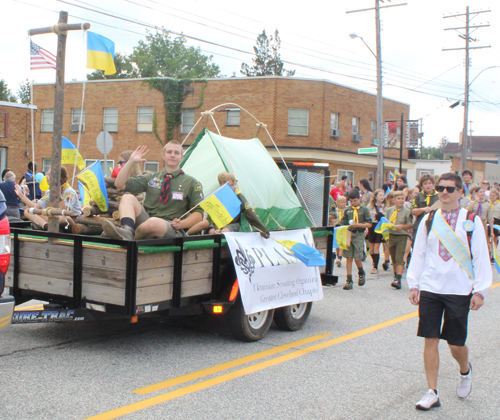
<point>269,276</point>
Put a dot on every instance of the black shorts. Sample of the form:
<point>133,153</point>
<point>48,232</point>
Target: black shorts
<point>456,314</point>
<point>496,221</point>
<point>374,237</point>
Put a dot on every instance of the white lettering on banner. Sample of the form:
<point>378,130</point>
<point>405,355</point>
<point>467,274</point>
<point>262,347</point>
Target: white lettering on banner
<point>269,275</point>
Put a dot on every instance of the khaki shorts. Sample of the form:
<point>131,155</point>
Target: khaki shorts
<point>357,246</point>
<point>232,227</point>
<point>397,248</point>
<point>171,232</point>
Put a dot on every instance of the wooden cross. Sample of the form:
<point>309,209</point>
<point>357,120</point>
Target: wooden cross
<point>55,182</point>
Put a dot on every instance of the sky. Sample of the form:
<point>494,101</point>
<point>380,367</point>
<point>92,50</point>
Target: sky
<point>315,43</point>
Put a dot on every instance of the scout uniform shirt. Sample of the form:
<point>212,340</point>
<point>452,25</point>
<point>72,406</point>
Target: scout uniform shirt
<point>363,217</point>
<point>184,193</point>
<point>366,198</point>
<point>495,210</point>
<point>403,218</point>
<point>483,210</point>
<point>421,201</point>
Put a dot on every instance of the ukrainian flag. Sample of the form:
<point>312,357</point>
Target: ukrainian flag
<point>222,206</point>
<point>396,171</point>
<point>68,154</point>
<point>307,254</point>
<point>495,253</point>
<point>100,53</point>
<point>93,178</point>
<point>340,237</point>
<point>84,194</point>
<point>383,227</point>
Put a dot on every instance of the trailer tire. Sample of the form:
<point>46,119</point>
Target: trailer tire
<point>293,317</point>
<point>251,327</point>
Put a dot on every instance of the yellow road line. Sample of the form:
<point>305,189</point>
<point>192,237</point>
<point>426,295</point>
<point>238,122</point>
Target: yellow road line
<point>141,405</point>
<point>233,363</point>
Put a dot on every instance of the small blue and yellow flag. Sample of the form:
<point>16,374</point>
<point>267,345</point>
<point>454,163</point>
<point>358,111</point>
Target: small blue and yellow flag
<point>340,237</point>
<point>307,254</point>
<point>84,194</point>
<point>496,259</point>
<point>93,178</point>
<point>100,53</point>
<point>396,171</point>
<point>383,227</point>
<point>68,154</point>
<point>222,206</point>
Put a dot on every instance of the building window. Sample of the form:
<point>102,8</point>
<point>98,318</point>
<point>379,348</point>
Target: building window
<point>349,174</point>
<point>232,117</point>
<point>47,120</point>
<point>187,120</point>
<point>76,116</point>
<point>46,165</point>
<point>145,119</point>
<point>334,121</point>
<point>373,133</point>
<point>151,167</point>
<point>107,167</point>
<point>110,120</point>
<point>298,121</point>
<point>355,125</point>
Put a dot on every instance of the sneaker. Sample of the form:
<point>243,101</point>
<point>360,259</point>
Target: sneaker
<point>396,284</point>
<point>374,271</point>
<point>361,280</point>
<point>430,400</point>
<point>348,285</point>
<point>115,232</point>
<point>464,384</point>
<point>338,263</point>
<point>385,265</point>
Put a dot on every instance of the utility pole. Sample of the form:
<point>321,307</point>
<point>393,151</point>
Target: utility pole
<point>467,48</point>
<point>61,30</point>
<point>380,118</point>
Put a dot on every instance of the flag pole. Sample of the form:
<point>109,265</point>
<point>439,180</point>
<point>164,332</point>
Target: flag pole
<point>33,141</point>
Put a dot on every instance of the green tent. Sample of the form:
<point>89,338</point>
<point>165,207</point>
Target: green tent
<point>259,178</point>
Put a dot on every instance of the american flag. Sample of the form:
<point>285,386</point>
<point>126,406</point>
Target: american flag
<point>40,58</point>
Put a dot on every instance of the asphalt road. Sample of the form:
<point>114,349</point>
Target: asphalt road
<point>361,360</point>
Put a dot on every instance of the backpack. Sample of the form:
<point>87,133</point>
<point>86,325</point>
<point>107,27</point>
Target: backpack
<point>470,216</point>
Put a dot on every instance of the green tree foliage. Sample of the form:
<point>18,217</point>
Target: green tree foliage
<point>162,56</point>
<point>124,70</point>
<point>5,93</point>
<point>432,153</point>
<point>267,61</point>
<point>24,92</point>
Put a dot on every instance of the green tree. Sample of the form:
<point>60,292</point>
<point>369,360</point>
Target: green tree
<point>124,69</point>
<point>24,92</point>
<point>432,153</point>
<point>5,93</point>
<point>267,61</point>
<point>162,56</point>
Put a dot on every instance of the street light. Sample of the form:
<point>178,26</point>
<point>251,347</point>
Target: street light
<point>380,119</point>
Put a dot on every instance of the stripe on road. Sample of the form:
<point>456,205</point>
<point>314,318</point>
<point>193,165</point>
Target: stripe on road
<point>141,405</point>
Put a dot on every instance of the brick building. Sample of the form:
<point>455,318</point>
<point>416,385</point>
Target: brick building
<point>309,120</point>
<point>15,137</point>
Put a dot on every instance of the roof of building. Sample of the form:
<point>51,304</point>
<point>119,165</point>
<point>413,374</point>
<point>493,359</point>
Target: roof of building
<point>16,105</point>
<point>479,144</point>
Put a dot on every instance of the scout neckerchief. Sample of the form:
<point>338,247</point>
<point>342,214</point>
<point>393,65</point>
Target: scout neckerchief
<point>450,244</point>
<point>355,214</point>
<point>493,204</point>
<point>165,187</point>
<point>480,208</point>
<point>428,197</point>
<point>394,216</point>
<point>340,212</point>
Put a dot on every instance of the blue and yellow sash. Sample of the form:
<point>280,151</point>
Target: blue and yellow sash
<point>452,243</point>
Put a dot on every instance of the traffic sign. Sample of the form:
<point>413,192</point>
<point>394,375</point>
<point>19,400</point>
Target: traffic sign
<point>104,142</point>
<point>367,150</point>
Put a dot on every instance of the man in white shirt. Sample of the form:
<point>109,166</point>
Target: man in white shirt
<point>444,278</point>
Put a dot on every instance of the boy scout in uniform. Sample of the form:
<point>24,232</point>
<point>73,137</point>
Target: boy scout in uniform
<point>400,216</point>
<point>235,224</point>
<point>169,195</point>
<point>424,201</point>
<point>358,218</point>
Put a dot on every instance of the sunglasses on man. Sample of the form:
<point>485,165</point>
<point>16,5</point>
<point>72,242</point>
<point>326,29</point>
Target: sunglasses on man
<point>450,190</point>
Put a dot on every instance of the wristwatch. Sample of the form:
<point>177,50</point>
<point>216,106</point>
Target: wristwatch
<point>479,295</point>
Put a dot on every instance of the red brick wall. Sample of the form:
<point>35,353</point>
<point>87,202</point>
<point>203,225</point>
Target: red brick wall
<point>268,99</point>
